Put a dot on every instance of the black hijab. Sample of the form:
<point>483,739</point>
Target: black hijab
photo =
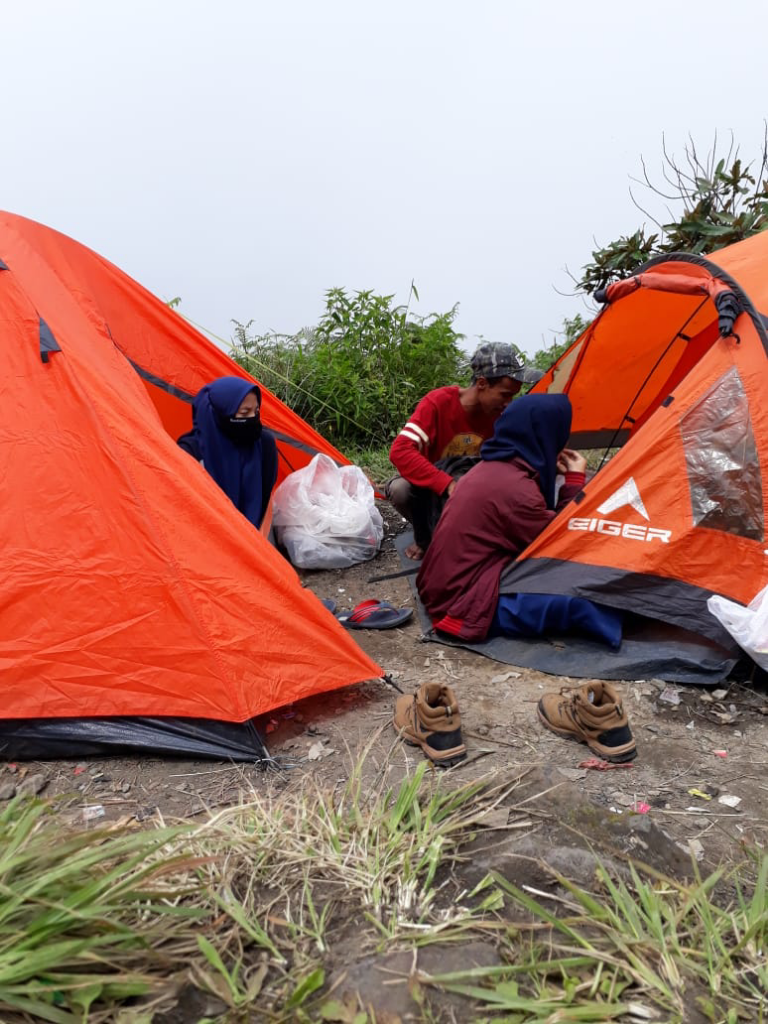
<point>534,428</point>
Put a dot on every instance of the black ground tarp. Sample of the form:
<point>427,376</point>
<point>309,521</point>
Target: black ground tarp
<point>50,738</point>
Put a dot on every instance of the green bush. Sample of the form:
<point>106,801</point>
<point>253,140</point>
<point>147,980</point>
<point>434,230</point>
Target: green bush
<point>358,375</point>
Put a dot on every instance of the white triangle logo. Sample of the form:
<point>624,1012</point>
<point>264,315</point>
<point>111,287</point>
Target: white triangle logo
<point>627,494</point>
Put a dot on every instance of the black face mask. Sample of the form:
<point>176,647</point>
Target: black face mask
<point>245,431</point>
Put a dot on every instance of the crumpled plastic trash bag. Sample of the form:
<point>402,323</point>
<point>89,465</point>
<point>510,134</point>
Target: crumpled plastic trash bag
<point>325,516</point>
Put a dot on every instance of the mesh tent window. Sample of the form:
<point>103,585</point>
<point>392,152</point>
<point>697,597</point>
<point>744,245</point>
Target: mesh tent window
<point>721,461</point>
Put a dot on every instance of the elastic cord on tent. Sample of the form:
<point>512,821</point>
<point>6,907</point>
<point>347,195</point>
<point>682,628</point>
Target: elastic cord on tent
<point>650,373</point>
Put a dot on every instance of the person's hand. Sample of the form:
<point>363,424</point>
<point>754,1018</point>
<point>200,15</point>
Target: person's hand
<point>570,461</point>
<point>450,488</point>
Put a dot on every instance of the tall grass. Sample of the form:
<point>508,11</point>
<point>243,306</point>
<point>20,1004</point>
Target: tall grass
<point>249,905</point>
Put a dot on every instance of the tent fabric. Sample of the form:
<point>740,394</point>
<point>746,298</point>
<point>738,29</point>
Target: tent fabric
<point>48,738</point>
<point>679,512</point>
<point>131,584</point>
<point>172,358</point>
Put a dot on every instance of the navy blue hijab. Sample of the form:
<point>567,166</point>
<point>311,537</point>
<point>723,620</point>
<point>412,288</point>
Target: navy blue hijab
<point>534,428</point>
<point>238,469</point>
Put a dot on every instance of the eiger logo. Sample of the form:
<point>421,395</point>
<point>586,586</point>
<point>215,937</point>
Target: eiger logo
<point>626,495</point>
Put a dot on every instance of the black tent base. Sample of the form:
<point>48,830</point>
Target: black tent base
<point>47,739</point>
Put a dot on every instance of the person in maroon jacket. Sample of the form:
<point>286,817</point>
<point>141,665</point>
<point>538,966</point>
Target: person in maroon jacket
<point>452,421</point>
<point>500,506</point>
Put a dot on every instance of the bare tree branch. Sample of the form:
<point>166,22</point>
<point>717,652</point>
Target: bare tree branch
<point>643,211</point>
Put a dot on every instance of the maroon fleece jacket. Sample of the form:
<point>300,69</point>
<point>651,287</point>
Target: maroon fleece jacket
<point>494,513</point>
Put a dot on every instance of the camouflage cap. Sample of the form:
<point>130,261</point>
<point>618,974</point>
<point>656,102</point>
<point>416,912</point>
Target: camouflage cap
<point>497,359</point>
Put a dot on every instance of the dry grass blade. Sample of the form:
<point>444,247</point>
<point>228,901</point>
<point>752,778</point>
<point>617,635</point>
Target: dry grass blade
<point>251,904</point>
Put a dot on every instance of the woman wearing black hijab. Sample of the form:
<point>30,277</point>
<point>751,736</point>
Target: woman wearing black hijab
<point>228,439</point>
<point>495,512</point>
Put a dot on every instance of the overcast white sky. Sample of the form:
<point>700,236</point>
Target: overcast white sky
<point>247,156</point>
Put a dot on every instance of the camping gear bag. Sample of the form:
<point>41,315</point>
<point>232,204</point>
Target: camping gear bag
<point>325,516</point>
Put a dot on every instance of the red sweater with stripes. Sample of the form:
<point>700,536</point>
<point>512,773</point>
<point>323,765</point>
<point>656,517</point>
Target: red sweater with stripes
<point>438,428</point>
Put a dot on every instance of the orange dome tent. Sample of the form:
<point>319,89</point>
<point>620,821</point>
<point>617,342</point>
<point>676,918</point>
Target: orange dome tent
<point>674,370</point>
<point>138,609</point>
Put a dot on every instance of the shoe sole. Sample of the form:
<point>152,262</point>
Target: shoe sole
<point>604,753</point>
<point>440,758</point>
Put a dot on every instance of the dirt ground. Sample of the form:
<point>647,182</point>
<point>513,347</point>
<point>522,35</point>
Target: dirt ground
<point>700,770</point>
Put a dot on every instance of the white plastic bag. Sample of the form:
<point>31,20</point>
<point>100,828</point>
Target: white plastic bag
<point>748,626</point>
<point>325,516</point>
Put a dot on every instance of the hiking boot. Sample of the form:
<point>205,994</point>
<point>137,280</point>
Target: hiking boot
<point>431,720</point>
<point>592,714</point>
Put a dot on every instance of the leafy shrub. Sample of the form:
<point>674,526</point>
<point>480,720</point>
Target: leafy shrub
<point>723,200</point>
<point>358,375</point>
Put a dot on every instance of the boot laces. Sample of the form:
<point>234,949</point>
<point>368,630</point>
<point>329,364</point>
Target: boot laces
<point>570,706</point>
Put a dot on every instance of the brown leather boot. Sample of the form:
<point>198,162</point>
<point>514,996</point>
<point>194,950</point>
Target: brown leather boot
<point>431,720</point>
<point>592,714</point>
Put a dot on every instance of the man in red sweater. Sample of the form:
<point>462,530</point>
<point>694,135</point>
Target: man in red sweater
<point>452,421</point>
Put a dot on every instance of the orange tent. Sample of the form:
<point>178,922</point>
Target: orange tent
<point>674,372</point>
<point>139,608</point>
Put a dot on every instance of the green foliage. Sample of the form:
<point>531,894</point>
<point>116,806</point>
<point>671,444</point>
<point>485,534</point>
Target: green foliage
<point>256,906</point>
<point>571,329</point>
<point>723,201</point>
<point>618,260</point>
<point>373,460</point>
<point>357,376</point>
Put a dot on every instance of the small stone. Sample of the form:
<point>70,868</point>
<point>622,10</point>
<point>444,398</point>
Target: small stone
<point>483,730</point>
<point>639,822</point>
<point>7,791</point>
<point>696,848</point>
<point>624,799</point>
<point>32,785</point>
